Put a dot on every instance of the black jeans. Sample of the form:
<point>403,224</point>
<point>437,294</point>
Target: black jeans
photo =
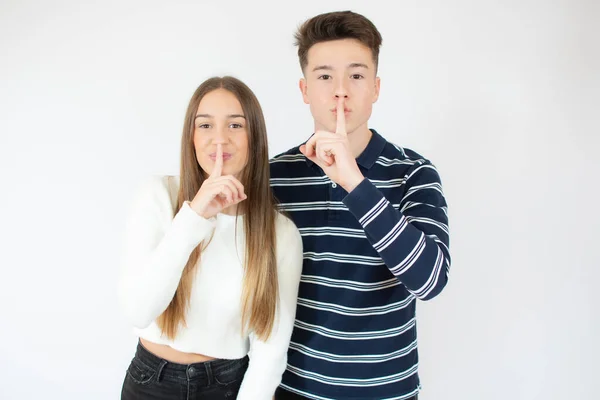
<point>282,394</point>
<point>152,378</point>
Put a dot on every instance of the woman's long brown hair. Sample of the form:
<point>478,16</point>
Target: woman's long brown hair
<point>260,289</point>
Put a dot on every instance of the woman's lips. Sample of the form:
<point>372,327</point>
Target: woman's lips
<point>226,156</point>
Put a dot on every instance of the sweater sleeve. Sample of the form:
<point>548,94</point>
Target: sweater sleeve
<point>157,245</point>
<point>268,359</point>
<point>413,241</point>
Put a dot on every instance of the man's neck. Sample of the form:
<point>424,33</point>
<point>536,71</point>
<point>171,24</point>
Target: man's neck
<point>359,139</point>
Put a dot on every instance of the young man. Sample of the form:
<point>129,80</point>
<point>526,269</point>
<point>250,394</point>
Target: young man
<point>374,225</point>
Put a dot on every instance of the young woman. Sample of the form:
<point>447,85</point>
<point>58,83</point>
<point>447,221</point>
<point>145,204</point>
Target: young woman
<point>211,269</point>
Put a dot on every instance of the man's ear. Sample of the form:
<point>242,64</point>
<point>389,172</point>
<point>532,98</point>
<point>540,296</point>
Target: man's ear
<point>304,89</point>
<point>377,87</point>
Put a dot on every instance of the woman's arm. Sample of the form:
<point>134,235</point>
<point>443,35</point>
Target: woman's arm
<point>157,245</point>
<point>268,359</point>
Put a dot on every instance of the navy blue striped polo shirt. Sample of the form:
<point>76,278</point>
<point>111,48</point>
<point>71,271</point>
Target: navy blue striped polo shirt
<point>368,255</point>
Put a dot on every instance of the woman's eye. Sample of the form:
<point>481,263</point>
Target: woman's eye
<point>203,126</point>
<point>236,126</point>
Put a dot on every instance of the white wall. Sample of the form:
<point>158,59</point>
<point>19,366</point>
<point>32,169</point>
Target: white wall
<point>500,95</point>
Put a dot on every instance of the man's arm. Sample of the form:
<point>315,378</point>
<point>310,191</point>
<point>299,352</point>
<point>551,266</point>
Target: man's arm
<point>412,241</point>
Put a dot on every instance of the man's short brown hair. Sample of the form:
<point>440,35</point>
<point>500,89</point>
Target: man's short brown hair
<point>336,26</point>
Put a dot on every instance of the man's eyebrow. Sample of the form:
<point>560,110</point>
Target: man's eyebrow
<point>323,67</point>
<point>329,67</point>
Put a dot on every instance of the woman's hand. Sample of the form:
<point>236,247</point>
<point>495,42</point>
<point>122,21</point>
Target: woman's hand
<point>217,192</point>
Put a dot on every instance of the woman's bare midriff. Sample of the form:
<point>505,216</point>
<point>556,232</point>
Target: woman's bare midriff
<point>175,356</point>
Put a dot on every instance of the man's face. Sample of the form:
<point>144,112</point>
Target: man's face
<point>340,68</point>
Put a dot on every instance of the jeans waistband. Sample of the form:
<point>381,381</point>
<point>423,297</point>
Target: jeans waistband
<point>202,371</point>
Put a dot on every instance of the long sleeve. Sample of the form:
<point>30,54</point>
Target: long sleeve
<point>268,359</point>
<point>414,240</point>
<point>157,245</point>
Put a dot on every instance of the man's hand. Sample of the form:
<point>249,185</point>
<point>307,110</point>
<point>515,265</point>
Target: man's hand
<point>331,152</point>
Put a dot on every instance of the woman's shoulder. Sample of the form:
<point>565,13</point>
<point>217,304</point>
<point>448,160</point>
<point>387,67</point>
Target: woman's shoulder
<point>289,249</point>
<point>157,190</point>
<point>159,183</point>
<point>284,224</point>
<point>287,232</point>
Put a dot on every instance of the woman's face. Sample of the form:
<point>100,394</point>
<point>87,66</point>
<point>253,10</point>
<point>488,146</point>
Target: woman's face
<point>221,120</point>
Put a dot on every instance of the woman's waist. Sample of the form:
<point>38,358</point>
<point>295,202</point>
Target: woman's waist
<point>195,344</point>
<point>148,365</point>
<point>173,355</point>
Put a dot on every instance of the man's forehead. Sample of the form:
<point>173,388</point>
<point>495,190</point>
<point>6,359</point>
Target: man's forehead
<point>347,54</point>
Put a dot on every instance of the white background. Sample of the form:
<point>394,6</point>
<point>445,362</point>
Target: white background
<point>502,96</point>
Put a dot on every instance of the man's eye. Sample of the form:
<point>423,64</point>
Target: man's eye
<point>325,77</point>
<point>357,76</point>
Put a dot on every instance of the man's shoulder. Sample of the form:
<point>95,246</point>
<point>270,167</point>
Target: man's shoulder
<point>292,153</point>
<point>290,160</point>
<point>398,161</point>
<point>394,152</point>
<point>403,161</point>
